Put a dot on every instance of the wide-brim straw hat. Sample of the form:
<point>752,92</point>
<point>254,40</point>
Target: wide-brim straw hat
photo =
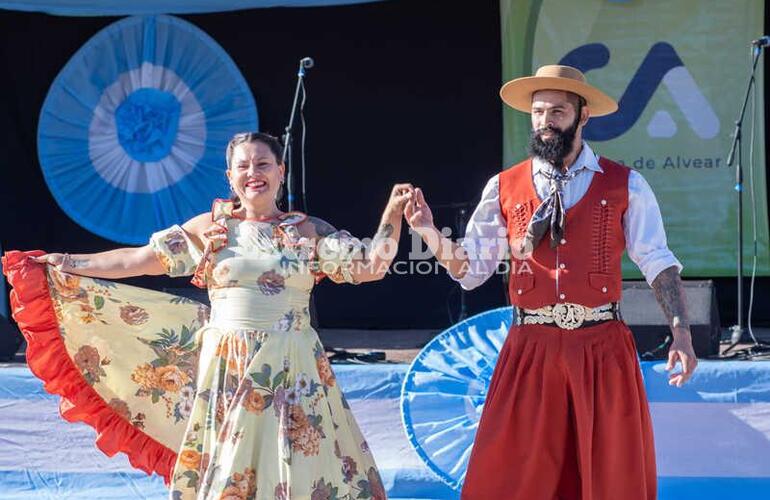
<point>518,93</point>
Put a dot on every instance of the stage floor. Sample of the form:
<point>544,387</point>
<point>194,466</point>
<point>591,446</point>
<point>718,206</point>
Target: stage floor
<point>402,346</point>
<point>712,437</point>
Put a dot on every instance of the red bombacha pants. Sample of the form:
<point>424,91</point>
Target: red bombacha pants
<point>566,417</point>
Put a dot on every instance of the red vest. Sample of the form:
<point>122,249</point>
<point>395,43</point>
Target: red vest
<point>585,267</point>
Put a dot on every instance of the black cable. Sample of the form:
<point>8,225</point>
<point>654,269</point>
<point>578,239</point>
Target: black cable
<point>289,177</point>
<point>753,215</point>
<point>506,284</point>
<point>338,356</point>
<point>652,353</point>
<point>452,290</point>
<point>304,136</point>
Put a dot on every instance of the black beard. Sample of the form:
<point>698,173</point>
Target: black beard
<point>556,149</point>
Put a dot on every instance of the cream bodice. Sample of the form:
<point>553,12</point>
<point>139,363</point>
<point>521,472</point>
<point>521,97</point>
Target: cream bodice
<point>263,275</point>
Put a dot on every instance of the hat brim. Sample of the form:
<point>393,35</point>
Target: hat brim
<point>518,93</point>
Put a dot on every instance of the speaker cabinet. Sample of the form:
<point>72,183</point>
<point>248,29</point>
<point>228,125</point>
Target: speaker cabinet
<point>649,325</point>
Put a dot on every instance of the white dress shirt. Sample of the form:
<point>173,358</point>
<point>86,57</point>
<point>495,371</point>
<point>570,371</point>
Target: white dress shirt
<point>642,223</point>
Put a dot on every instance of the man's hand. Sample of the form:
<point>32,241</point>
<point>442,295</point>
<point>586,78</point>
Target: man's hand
<point>418,213</point>
<point>670,295</point>
<point>681,351</point>
<point>449,254</point>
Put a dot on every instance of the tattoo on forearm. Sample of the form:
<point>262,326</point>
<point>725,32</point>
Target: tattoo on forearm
<point>322,228</point>
<point>78,263</point>
<point>385,231</point>
<point>670,295</point>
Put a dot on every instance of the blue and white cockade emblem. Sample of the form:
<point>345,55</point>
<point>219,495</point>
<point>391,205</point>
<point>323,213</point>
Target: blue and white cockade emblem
<point>147,132</point>
<point>133,131</point>
<point>444,391</point>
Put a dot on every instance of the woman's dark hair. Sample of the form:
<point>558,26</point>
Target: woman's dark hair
<point>250,137</point>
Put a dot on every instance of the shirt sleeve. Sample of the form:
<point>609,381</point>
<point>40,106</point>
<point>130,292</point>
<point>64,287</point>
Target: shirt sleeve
<point>485,242</point>
<point>175,251</point>
<point>643,228</point>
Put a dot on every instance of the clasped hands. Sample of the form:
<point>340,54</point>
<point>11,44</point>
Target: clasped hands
<point>410,201</point>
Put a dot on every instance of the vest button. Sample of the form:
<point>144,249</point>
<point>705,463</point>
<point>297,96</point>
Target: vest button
<point>604,202</point>
<point>562,296</point>
<point>519,291</point>
<point>562,266</point>
<point>518,206</point>
<point>563,241</point>
<point>604,289</point>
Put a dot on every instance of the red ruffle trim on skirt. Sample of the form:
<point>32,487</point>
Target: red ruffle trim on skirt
<point>48,359</point>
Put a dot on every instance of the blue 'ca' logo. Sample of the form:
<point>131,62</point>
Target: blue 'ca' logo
<point>662,64</point>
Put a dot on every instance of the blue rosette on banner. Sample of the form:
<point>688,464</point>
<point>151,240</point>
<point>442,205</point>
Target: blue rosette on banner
<point>445,388</point>
<point>132,133</point>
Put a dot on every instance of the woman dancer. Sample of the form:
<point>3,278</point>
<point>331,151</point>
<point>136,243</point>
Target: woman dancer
<point>243,404</point>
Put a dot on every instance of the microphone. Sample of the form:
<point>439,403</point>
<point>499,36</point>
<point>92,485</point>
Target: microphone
<point>762,41</point>
<point>307,62</point>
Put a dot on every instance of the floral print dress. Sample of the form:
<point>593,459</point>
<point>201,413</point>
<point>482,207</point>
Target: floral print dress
<point>242,404</point>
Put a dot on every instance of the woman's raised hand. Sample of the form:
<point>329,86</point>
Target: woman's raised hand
<point>399,196</point>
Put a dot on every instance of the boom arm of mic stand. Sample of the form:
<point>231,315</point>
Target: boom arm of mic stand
<point>739,121</point>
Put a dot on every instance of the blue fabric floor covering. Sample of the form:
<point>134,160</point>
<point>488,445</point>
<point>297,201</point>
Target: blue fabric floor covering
<point>712,438</point>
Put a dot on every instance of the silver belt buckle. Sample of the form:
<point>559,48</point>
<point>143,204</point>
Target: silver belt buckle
<point>568,316</point>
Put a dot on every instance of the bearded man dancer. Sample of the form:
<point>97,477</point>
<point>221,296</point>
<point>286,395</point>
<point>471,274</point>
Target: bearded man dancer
<point>566,414</point>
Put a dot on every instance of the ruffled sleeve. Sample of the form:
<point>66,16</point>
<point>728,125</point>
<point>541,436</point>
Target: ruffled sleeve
<point>336,255</point>
<point>175,251</point>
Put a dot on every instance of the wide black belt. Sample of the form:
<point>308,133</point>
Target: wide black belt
<point>568,316</point>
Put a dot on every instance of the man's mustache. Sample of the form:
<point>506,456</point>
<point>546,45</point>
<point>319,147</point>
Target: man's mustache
<point>548,128</point>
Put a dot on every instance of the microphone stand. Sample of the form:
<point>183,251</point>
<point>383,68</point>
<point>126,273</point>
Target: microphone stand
<point>305,63</point>
<point>461,218</point>
<point>735,150</point>
<point>460,222</point>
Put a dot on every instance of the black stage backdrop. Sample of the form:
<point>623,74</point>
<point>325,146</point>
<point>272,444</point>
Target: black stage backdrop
<point>402,91</point>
